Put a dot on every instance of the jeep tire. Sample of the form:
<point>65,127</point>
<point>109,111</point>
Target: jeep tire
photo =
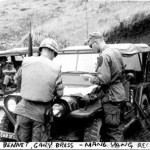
<point>7,126</point>
<point>92,132</point>
<point>145,105</point>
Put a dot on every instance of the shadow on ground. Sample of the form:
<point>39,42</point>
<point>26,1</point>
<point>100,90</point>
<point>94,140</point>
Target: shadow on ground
<point>137,133</point>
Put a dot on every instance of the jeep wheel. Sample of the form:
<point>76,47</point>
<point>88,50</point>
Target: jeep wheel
<point>92,132</point>
<point>145,105</point>
<point>7,126</point>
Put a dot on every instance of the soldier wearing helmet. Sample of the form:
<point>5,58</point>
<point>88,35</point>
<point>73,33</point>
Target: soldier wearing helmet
<point>51,44</point>
<point>41,82</point>
<point>109,68</point>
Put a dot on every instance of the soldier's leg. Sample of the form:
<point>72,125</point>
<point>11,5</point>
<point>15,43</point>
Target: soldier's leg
<point>1,84</point>
<point>112,122</point>
<point>23,129</point>
<point>5,83</point>
<point>6,80</point>
<point>115,134</point>
<point>41,132</point>
<point>1,87</point>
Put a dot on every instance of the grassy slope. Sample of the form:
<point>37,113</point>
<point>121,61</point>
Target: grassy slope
<point>64,20</point>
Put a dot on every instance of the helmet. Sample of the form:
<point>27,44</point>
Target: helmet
<point>49,43</point>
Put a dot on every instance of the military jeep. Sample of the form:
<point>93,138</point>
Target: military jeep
<point>76,119</point>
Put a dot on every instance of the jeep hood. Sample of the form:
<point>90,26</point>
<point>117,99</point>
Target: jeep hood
<point>71,91</point>
<point>78,91</point>
<point>74,84</point>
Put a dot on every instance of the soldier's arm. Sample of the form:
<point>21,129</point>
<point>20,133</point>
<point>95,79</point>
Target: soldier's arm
<point>59,86</point>
<point>104,74</point>
<point>17,77</point>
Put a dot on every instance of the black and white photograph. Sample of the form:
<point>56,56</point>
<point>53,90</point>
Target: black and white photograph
<point>74,71</point>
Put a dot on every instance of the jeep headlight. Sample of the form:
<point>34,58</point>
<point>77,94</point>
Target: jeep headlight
<point>58,110</point>
<point>11,103</point>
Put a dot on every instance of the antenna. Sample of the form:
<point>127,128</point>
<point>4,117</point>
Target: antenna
<point>30,43</point>
<point>30,27</point>
<point>86,1</point>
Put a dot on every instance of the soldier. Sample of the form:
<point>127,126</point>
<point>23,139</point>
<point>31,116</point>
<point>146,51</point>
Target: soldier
<point>7,74</point>
<point>110,66</point>
<point>41,82</point>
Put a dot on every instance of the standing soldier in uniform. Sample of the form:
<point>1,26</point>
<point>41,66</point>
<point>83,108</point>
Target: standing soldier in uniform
<point>110,66</point>
<point>41,82</point>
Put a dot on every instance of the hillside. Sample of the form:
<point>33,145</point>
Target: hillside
<point>69,21</point>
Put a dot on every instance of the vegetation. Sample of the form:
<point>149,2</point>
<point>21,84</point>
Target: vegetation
<point>70,21</point>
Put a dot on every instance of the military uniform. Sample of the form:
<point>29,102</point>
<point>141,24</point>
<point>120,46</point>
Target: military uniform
<point>40,82</point>
<point>6,75</point>
<point>110,66</point>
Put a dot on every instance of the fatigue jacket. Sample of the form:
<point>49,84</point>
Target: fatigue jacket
<point>40,82</point>
<point>110,65</point>
<point>40,79</point>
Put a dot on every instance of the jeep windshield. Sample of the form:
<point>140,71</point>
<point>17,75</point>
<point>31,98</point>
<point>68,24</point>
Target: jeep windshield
<point>77,63</point>
<point>81,59</point>
<point>73,66</point>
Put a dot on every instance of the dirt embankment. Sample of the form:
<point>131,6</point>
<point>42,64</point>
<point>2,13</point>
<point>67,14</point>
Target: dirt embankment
<point>138,31</point>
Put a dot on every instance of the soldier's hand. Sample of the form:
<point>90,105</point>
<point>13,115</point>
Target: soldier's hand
<point>88,77</point>
<point>86,98</point>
